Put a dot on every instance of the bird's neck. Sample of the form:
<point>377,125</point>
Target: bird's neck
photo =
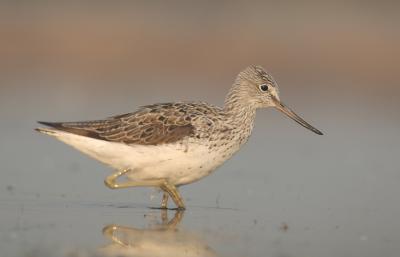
<point>240,112</point>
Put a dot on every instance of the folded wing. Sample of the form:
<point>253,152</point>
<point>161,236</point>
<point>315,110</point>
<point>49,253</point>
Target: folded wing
<point>150,125</point>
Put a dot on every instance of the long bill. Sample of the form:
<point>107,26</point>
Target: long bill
<point>286,110</point>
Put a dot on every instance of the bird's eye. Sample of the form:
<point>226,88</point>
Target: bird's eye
<point>264,87</point>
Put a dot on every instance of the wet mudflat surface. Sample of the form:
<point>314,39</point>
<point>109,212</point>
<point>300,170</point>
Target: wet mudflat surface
<point>35,226</point>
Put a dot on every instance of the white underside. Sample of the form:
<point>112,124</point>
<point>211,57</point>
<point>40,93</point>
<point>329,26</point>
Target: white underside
<point>178,163</point>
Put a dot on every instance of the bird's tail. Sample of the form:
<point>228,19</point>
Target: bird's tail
<point>47,131</point>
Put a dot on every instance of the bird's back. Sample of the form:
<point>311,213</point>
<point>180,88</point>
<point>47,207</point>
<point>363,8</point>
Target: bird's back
<point>150,125</point>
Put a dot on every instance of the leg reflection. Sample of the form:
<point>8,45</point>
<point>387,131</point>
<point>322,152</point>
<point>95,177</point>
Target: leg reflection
<point>163,240</point>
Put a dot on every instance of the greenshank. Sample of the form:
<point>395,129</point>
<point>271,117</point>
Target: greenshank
<point>168,145</point>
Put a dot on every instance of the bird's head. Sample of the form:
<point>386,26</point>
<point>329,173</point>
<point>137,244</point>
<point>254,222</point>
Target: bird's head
<point>255,87</point>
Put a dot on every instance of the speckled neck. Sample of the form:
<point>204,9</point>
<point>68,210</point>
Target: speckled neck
<point>240,112</point>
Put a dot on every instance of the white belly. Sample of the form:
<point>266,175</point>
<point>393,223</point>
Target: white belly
<point>175,164</point>
<point>178,163</point>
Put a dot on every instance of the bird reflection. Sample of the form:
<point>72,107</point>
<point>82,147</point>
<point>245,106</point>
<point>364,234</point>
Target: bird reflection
<point>162,240</point>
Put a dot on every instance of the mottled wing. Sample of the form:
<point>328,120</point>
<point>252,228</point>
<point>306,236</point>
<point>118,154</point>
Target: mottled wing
<point>150,125</point>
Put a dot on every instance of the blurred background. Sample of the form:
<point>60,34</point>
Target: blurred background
<point>337,64</point>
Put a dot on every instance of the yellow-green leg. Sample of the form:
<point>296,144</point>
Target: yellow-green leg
<point>174,193</point>
<point>169,189</point>
<point>164,202</point>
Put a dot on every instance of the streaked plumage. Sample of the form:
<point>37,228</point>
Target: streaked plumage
<point>173,144</point>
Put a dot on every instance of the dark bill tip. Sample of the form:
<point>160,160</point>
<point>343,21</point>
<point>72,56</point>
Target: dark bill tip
<point>291,114</point>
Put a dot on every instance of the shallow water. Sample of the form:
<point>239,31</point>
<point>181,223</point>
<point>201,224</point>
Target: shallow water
<point>61,227</point>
